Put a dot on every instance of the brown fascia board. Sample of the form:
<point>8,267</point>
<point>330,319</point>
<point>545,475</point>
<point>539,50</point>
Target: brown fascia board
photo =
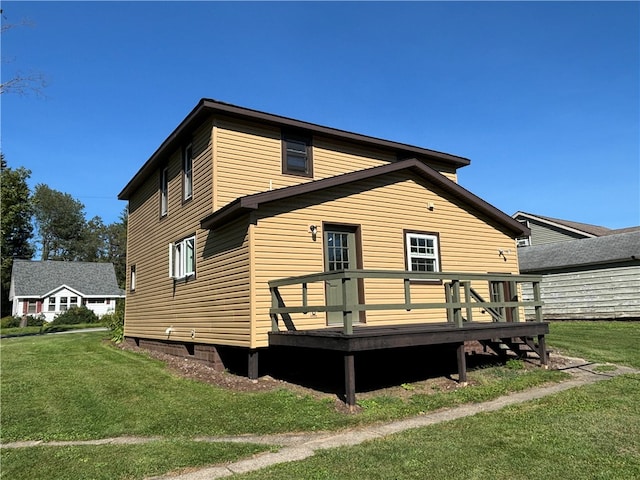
<point>575,227</point>
<point>243,205</point>
<point>208,107</point>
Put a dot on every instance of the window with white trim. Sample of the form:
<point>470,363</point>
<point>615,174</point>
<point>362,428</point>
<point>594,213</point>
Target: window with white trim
<point>32,306</point>
<point>52,304</point>
<point>64,304</point>
<point>187,172</point>
<point>422,252</point>
<point>182,258</point>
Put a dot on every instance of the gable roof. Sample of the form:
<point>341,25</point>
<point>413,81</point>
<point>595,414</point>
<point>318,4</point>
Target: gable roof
<point>39,278</point>
<point>243,205</point>
<point>206,107</point>
<point>621,247</point>
<point>585,229</point>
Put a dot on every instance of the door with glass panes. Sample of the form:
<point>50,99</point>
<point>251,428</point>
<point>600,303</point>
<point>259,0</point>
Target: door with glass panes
<point>340,253</point>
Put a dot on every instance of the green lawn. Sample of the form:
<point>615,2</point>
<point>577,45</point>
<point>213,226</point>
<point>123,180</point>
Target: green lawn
<point>615,342</point>
<point>67,387</point>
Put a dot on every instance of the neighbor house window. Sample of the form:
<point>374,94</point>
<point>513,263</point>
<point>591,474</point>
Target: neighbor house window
<point>188,172</point>
<point>182,258</point>
<point>132,280</point>
<point>297,155</point>
<point>32,307</point>
<point>64,304</point>
<point>423,254</point>
<point>164,192</point>
<point>52,304</point>
<point>94,301</point>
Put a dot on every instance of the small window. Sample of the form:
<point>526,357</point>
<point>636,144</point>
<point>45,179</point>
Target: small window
<point>52,304</point>
<point>188,172</point>
<point>164,192</point>
<point>423,252</point>
<point>182,258</point>
<point>64,304</point>
<point>132,280</point>
<point>296,156</point>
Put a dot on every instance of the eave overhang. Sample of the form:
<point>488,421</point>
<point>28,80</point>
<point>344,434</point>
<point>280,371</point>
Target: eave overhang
<point>208,107</point>
<point>249,203</point>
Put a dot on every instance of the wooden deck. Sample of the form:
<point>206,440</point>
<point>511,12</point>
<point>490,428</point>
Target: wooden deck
<point>366,338</point>
<point>506,331</point>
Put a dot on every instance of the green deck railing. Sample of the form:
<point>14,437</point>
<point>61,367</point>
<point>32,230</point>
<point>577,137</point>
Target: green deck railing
<point>458,295</point>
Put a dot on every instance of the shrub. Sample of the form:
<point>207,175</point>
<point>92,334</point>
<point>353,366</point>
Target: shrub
<point>74,316</point>
<point>115,322</point>
<point>10,322</point>
<point>35,321</point>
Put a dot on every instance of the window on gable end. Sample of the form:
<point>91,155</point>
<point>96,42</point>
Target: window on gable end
<point>297,158</point>
<point>422,252</point>
<point>187,173</point>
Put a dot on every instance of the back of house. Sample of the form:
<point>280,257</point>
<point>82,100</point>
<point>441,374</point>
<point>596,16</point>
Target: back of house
<point>235,198</point>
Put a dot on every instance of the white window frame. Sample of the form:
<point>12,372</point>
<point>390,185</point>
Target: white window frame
<point>187,173</point>
<point>132,282</point>
<point>182,258</point>
<point>435,256</point>
<point>51,304</point>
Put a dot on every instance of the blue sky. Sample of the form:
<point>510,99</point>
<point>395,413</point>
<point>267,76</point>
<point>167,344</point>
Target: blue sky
<point>543,97</point>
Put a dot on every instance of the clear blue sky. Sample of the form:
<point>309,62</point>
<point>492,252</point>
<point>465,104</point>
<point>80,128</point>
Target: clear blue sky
<point>543,97</point>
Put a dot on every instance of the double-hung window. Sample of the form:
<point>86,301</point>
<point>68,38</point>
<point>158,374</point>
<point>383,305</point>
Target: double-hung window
<point>423,254</point>
<point>297,155</point>
<point>187,173</point>
<point>182,258</point>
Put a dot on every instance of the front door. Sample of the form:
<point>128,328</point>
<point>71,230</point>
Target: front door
<point>340,253</point>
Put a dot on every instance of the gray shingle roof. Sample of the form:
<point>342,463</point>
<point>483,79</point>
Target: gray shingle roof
<point>38,278</point>
<point>586,251</point>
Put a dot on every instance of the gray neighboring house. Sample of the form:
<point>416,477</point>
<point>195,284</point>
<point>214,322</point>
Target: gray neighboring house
<point>551,230</point>
<point>595,278</point>
<point>50,287</point>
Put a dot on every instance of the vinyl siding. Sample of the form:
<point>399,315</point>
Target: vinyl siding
<point>383,207</point>
<point>213,307</point>
<point>600,293</point>
<point>248,160</point>
<point>542,233</point>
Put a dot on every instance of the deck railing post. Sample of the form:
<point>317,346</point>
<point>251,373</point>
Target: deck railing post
<point>304,295</point>
<point>457,310</point>
<point>538,299</point>
<point>502,309</point>
<point>274,304</point>
<point>515,311</point>
<point>347,301</point>
<point>467,299</point>
<point>448,299</point>
<point>407,293</point>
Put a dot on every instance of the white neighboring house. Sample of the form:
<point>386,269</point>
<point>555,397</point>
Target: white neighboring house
<point>50,288</point>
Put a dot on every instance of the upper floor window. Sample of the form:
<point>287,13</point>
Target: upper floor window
<point>297,155</point>
<point>187,172</point>
<point>182,258</point>
<point>164,192</point>
<point>423,254</point>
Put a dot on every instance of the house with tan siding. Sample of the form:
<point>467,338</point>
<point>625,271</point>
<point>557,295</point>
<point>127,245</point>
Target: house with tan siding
<point>236,199</point>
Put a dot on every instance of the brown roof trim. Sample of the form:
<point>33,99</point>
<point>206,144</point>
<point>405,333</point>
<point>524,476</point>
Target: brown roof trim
<point>586,229</point>
<point>243,205</point>
<point>208,107</point>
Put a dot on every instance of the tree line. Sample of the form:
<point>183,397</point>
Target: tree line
<point>53,225</point>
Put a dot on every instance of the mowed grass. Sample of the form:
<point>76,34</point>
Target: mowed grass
<point>76,387</point>
<point>614,342</point>
<point>592,432</point>
<point>109,462</point>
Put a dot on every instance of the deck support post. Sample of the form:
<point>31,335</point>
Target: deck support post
<point>252,365</point>
<point>462,365</point>
<point>544,356</point>
<point>349,380</point>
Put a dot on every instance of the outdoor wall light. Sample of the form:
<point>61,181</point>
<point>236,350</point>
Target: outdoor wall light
<point>313,229</point>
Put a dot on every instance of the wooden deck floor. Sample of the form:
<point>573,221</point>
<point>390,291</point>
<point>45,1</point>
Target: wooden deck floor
<point>367,338</point>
